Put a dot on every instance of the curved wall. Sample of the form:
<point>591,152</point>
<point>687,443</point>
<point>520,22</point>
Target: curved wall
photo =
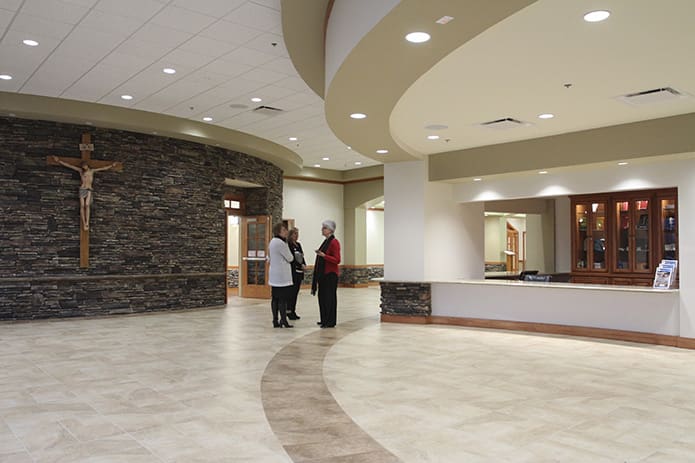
<point>157,227</point>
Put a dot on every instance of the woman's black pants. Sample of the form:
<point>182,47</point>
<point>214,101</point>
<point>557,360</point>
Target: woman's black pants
<point>328,300</point>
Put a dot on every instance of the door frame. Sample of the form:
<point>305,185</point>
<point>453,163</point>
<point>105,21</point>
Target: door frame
<point>253,291</point>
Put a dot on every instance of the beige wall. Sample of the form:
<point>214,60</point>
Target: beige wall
<point>232,243</point>
<point>375,237</point>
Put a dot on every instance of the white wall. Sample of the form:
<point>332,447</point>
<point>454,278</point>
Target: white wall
<point>495,239</point>
<point>232,243</point>
<point>309,204</point>
<point>375,237</point>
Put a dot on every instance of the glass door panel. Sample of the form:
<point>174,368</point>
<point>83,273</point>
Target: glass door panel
<point>598,236</point>
<point>669,229</point>
<point>622,223</point>
<point>642,245</point>
<point>581,226</point>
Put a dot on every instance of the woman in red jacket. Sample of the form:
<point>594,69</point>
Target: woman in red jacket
<point>326,275</point>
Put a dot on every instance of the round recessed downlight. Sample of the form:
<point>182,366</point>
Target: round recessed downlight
<point>417,37</point>
<point>207,119</point>
<point>169,71</point>
<point>31,43</point>
<point>126,97</point>
<point>358,115</point>
<point>317,165</point>
<point>433,137</point>
<point>349,147</point>
<point>382,151</point>
<point>477,179</point>
<point>5,77</point>
<point>292,139</point>
<point>325,159</point>
<point>596,16</point>
<point>255,99</point>
<point>542,172</point>
<point>546,116</point>
<point>623,163</point>
<point>358,163</point>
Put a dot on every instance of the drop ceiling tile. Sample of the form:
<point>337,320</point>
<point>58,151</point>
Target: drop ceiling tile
<point>226,68</point>
<point>271,93</point>
<point>56,74</point>
<point>148,50</point>
<point>239,86</point>
<point>207,46</point>
<point>145,83</point>
<point>154,103</point>
<point>30,24</point>
<point>185,58</point>
<point>55,10</point>
<point>11,5</point>
<point>264,43</point>
<point>97,83</point>
<point>264,76</point>
<point>228,32</point>
<point>18,79</point>
<point>90,44</point>
<point>18,55</point>
<point>248,56</point>
<point>295,83</point>
<point>243,119</point>
<point>283,65</point>
<point>274,4</point>
<point>182,19</point>
<point>111,22</point>
<point>126,61</point>
<point>180,91</point>
<point>215,8</point>
<point>142,9</point>
<point>255,16</point>
<point>5,18</point>
<point>160,34</point>
<point>84,3</point>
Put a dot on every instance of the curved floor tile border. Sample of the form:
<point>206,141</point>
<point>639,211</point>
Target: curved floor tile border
<point>303,414</point>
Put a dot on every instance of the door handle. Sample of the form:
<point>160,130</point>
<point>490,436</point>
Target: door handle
<point>254,259</point>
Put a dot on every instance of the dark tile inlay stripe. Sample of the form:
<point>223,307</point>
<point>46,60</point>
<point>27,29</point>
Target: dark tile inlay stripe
<point>302,412</point>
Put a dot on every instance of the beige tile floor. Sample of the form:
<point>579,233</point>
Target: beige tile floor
<point>186,387</point>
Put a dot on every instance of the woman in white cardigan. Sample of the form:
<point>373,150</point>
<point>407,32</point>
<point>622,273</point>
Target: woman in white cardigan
<point>280,275</point>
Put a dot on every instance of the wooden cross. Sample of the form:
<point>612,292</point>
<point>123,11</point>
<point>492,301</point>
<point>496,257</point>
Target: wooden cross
<point>86,148</point>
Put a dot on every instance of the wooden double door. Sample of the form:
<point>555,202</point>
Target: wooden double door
<point>255,234</point>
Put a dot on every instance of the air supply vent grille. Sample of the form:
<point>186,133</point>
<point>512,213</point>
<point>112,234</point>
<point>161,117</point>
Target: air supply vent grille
<point>657,95</point>
<point>267,110</point>
<point>505,123</point>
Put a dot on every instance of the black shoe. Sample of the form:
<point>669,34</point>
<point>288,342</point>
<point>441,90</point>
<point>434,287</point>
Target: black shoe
<point>292,316</point>
<point>319,323</point>
<point>276,325</point>
<point>286,325</point>
<point>296,317</point>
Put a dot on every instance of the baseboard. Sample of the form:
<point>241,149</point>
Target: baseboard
<point>353,285</point>
<point>546,328</point>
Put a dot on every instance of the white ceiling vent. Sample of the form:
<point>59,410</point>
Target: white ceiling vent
<point>503,124</point>
<point>267,110</point>
<point>657,95</point>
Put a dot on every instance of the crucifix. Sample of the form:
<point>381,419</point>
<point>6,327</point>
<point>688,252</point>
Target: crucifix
<point>86,167</point>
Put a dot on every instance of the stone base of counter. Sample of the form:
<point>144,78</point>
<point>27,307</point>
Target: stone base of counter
<point>545,328</point>
<point>406,299</point>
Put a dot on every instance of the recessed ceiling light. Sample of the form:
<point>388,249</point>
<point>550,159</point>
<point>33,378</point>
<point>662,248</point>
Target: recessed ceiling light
<point>255,99</point>
<point>207,118</point>
<point>596,16</point>
<point>623,163</point>
<point>169,71</point>
<point>349,147</point>
<point>546,116</point>
<point>31,43</point>
<point>444,19</point>
<point>325,159</point>
<point>358,115</point>
<point>417,37</point>
<point>358,163</point>
<point>126,97</point>
<point>433,137</point>
<point>292,139</point>
<point>542,172</point>
<point>5,77</point>
<point>382,151</point>
<point>317,165</point>
<point>477,179</point>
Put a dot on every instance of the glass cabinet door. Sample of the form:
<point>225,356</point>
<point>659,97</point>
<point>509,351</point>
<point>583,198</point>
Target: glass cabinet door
<point>623,224</point>
<point>642,236</point>
<point>581,227</point>
<point>669,229</point>
<point>598,236</point>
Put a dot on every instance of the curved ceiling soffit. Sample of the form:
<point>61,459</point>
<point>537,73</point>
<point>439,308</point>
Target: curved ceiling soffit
<point>304,31</point>
<point>381,68</point>
<point>114,117</point>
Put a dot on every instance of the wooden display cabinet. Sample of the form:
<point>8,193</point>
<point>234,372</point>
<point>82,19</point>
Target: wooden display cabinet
<point>620,238</point>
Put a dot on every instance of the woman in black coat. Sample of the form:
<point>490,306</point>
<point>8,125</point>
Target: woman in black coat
<point>298,267</point>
